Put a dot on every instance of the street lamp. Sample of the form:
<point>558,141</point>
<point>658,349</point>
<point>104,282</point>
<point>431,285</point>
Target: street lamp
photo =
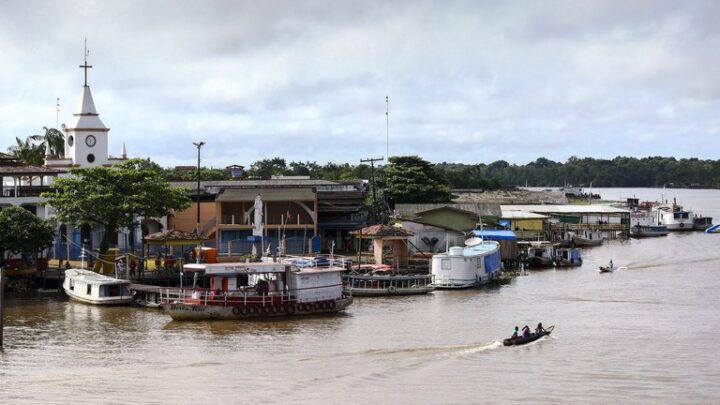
<point>197,229</point>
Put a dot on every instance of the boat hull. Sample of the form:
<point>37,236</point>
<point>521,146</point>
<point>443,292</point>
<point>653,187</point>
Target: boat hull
<point>379,292</point>
<point>196,312</point>
<point>640,231</point>
<point>525,340</point>
<point>100,301</point>
<point>587,242</point>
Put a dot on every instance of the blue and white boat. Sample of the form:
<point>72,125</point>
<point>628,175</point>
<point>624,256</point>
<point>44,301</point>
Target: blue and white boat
<point>713,229</point>
<point>463,267</point>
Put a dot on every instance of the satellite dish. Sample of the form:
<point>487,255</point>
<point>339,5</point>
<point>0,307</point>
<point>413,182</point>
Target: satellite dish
<point>62,126</point>
<point>473,241</point>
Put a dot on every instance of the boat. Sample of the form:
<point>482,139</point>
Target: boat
<point>642,231</point>
<point>380,283</point>
<point>524,340</point>
<point>240,291</point>
<point>588,238</point>
<point>674,217</point>
<point>568,257</point>
<point>644,224</point>
<point>607,269</point>
<point>475,264</point>
<point>713,229</point>
<point>541,254</point>
<point>96,289</point>
<point>701,223</point>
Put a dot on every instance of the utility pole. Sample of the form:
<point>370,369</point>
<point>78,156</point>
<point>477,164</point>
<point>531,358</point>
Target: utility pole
<point>197,228</point>
<point>372,176</point>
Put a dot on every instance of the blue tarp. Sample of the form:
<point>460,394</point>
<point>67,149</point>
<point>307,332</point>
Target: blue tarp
<point>494,234</point>
<point>492,263</point>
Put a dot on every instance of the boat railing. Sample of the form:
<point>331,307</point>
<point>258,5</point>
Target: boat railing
<point>397,282</point>
<point>205,296</point>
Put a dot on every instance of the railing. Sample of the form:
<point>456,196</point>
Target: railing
<point>244,296</point>
<point>24,191</point>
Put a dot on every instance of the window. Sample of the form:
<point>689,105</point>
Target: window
<point>90,158</point>
<point>445,264</point>
<point>89,289</point>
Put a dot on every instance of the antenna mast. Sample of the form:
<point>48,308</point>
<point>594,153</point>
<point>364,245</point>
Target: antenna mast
<point>387,127</point>
<point>57,113</point>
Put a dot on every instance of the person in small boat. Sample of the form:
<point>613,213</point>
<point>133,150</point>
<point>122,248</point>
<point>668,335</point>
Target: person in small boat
<point>539,328</point>
<point>526,331</point>
<point>611,264</point>
<point>515,333</point>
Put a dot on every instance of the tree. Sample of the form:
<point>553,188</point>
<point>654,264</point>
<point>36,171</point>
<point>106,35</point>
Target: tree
<point>28,152</point>
<point>266,168</point>
<point>21,231</point>
<point>410,179</point>
<point>112,197</point>
<point>52,142</point>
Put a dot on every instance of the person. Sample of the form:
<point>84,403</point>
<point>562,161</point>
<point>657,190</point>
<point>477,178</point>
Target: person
<point>515,333</point>
<point>133,265</point>
<point>611,263</point>
<point>539,328</point>
<point>526,331</point>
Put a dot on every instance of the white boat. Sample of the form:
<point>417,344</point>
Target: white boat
<point>462,267</point>
<point>93,288</point>
<point>674,217</point>
<point>588,238</point>
<point>644,224</point>
<point>258,290</point>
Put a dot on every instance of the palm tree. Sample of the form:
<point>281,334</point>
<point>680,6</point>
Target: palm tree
<point>28,152</point>
<point>53,142</point>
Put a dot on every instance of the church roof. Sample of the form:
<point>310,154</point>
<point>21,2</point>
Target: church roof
<point>86,116</point>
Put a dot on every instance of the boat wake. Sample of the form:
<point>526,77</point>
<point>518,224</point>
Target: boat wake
<point>461,349</point>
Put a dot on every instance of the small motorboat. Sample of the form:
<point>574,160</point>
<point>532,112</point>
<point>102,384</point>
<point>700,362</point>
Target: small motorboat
<point>523,340</point>
<point>607,269</point>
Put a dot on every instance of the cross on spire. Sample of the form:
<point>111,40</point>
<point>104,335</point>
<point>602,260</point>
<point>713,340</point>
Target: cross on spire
<point>85,65</point>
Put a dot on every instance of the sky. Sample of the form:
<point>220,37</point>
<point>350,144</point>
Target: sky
<point>468,82</point>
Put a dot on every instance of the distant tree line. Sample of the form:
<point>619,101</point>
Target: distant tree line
<point>621,171</point>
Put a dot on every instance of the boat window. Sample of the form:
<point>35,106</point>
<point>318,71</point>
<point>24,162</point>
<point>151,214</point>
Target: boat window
<point>445,264</point>
<point>89,289</point>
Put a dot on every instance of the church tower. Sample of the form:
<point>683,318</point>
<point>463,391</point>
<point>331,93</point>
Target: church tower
<point>86,137</point>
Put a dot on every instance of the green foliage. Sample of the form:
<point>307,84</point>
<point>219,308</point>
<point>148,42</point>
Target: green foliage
<point>32,153</point>
<point>113,197</point>
<point>206,174</point>
<point>410,179</point>
<point>21,231</point>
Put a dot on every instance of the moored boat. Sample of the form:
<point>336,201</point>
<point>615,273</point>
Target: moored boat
<point>379,284</point>
<point>258,290</point>
<point>588,238</point>
<point>476,264</point>
<point>96,289</point>
<point>524,340</point>
<point>568,257</point>
<point>674,217</point>
<point>642,231</point>
<point>540,254</point>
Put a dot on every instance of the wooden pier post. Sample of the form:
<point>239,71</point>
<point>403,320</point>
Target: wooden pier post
<point>2,301</point>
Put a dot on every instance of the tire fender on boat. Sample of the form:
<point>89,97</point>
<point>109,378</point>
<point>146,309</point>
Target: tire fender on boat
<point>290,308</point>
<point>682,225</point>
<point>391,289</point>
<point>236,311</point>
<point>331,304</point>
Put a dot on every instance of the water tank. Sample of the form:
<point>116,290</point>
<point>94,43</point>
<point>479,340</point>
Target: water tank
<point>456,251</point>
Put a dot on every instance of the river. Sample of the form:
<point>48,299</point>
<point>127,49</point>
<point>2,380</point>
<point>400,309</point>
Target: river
<point>643,334</point>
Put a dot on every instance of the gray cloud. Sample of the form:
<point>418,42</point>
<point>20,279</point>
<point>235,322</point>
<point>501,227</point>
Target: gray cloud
<point>468,81</point>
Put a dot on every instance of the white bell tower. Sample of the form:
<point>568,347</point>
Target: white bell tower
<point>86,137</point>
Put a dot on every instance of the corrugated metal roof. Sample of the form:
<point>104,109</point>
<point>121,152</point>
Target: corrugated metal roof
<point>521,215</point>
<point>565,209</point>
<point>267,194</point>
<point>254,183</point>
<point>410,210</point>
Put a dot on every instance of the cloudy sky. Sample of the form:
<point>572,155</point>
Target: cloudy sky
<point>474,81</point>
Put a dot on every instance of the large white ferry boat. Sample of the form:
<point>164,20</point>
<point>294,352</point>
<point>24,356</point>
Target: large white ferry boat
<point>258,290</point>
<point>462,267</point>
